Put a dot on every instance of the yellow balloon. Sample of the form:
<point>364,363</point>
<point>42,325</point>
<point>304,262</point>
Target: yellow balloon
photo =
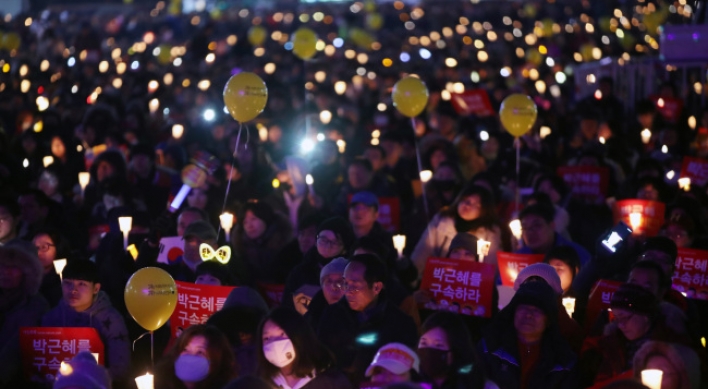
<point>11,41</point>
<point>245,96</point>
<point>547,27</point>
<point>257,35</point>
<point>304,43</point>
<point>586,52</point>
<point>151,297</point>
<point>410,96</point>
<point>165,55</point>
<point>534,56</point>
<point>361,38</point>
<point>518,114</point>
<point>374,21</point>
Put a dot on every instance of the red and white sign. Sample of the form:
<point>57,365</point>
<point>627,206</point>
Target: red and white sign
<point>272,293</point>
<point>196,304</point>
<point>43,349</point>
<point>171,248</point>
<point>511,264</point>
<point>389,212</point>
<point>459,286</point>
<point>599,300</point>
<point>696,169</point>
<point>668,107</point>
<point>473,101</point>
<point>691,273</point>
<point>652,215</point>
<point>588,183</point>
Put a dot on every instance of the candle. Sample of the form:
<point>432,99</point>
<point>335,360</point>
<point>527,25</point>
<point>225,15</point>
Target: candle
<point>95,356</point>
<point>646,136</point>
<point>125,223</point>
<point>685,183</point>
<point>309,181</point>
<point>48,160</point>
<point>569,304</point>
<point>399,242</point>
<point>177,131</point>
<point>59,266</point>
<point>146,381</point>
<point>651,378</point>
<point>227,221</point>
<point>483,249</point>
<point>515,226</point>
<point>425,176</point>
<point>635,220</point>
<point>84,178</point>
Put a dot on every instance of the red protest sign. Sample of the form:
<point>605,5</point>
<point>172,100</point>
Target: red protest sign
<point>459,286</point>
<point>599,299</point>
<point>272,293</point>
<point>196,303</point>
<point>389,212</point>
<point>43,349</point>
<point>588,183</point>
<point>650,221</point>
<point>510,264</point>
<point>691,273</point>
<point>696,169</point>
<point>473,101</point>
<point>668,107</point>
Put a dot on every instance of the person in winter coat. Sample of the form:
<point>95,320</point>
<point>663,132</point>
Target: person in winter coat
<point>85,305</point>
<point>523,347</point>
<point>332,290</point>
<point>680,364</point>
<point>259,237</point>
<point>291,357</point>
<point>359,324</point>
<point>20,306</point>
<point>472,212</point>
<point>50,247</point>
<point>334,239</point>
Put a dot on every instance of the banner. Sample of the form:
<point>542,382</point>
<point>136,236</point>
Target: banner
<point>43,349</point>
<point>272,293</point>
<point>472,102</point>
<point>668,107</point>
<point>171,248</point>
<point>459,286</point>
<point>696,169</point>
<point>587,183</point>
<point>510,264</point>
<point>195,304</point>
<point>651,215</point>
<point>389,212</point>
<point>599,300</point>
<point>691,273</point>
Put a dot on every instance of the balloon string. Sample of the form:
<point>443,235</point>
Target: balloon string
<point>231,174</point>
<point>518,169</point>
<point>420,169</point>
<point>152,346</point>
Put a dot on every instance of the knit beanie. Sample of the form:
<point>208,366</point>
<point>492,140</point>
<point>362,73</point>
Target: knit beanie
<point>542,270</point>
<point>661,243</point>
<point>82,372</point>
<point>463,240</point>
<point>537,294</point>
<point>260,210</point>
<point>336,266</point>
<point>341,228</point>
<point>635,299</point>
<point>243,296</point>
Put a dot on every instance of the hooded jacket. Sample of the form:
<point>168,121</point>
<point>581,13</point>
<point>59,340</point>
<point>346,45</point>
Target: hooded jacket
<point>109,324</point>
<point>26,313</point>
<point>260,255</point>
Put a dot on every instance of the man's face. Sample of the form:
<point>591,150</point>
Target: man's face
<point>632,325</point>
<point>362,215</point>
<point>537,233</point>
<point>328,244</point>
<point>375,157</point>
<point>79,294</point>
<point>358,293</point>
<point>359,177</point>
<point>185,219</point>
<point>30,211</point>
<point>530,321</point>
<point>648,279</point>
<point>306,238</point>
<point>7,225</point>
<point>141,165</point>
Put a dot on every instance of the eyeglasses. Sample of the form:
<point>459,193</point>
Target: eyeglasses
<point>351,288</point>
<point>622,319</point>
<point>44,247</point>
<point>324,242</point>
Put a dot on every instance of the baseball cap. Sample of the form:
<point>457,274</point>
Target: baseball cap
<point>366,198</point>
<point>396,358</point>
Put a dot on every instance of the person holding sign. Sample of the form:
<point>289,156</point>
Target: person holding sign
<point>85,305</point>
<point>473,212</point>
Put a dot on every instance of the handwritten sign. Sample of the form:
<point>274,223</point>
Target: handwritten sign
<point>473,101</point>
<point>459,286</point>
<point>272,293</point>
<point>691,273</point>
<point>588,183</point>
<point>196,303</point>
<point>696,169</point>
<point>599,300</point>
<point>389,213</point>
<point>652,215</point>
<point>43,349</point>
<point>171,248</point>
<point>510,264</point>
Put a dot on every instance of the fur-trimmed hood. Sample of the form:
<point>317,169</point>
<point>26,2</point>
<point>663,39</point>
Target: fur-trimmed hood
<point>28,262</point>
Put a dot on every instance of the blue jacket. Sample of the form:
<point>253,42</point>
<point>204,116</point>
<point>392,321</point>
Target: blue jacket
<point>583,254</point>
<point>107,321</point>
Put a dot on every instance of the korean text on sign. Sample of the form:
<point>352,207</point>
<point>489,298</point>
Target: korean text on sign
<point>43,349</point>
<point>691,273</point>
<point>696,169</point>
<point>510,264</point>
<point>652,215</point>
<point>589,183</point>
<point>599,299</point>
<point>459,286</point>
<point>196,303</point>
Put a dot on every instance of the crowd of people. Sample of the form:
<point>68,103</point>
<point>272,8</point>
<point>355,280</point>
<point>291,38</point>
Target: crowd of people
<point>321,181</point>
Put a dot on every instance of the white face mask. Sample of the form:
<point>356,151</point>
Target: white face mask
<point>280,352</point>
<point>191,368</point>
